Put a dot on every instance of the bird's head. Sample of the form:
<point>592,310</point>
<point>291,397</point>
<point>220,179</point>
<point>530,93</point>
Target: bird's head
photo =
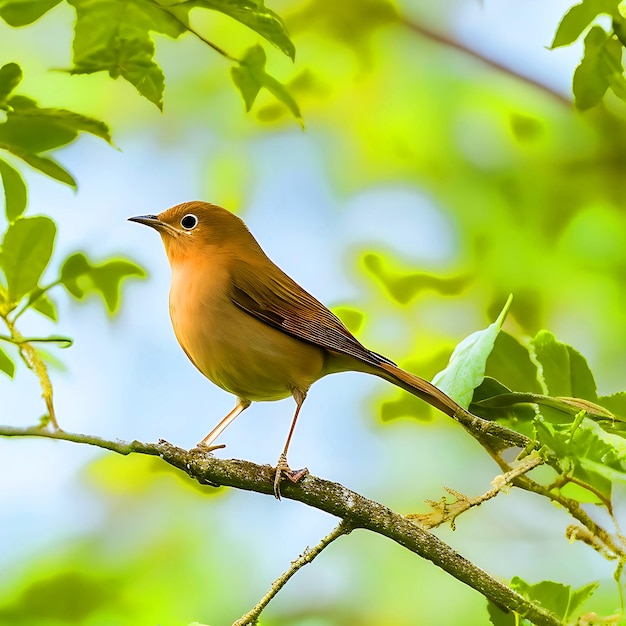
<point>198,228</point>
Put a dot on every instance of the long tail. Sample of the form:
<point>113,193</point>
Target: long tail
<point>420,388</point>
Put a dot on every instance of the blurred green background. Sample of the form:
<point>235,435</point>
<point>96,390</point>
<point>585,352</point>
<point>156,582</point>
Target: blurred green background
<point>427,186</point>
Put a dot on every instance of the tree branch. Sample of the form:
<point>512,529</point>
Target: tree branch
<point>333,498</point>
<point>577,512</point>
<point>448,42</point>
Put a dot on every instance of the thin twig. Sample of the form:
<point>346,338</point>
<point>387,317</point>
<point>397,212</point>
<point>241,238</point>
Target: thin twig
<point>333,498</point>
<point>194,32</point>
<point>252,616</point>
<point>577,512</point>
<point>445,511</point>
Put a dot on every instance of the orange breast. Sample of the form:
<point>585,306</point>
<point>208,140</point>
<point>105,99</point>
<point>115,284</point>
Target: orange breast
<point>231,348</point>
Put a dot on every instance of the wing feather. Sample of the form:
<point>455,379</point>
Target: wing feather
<point>280,302</point>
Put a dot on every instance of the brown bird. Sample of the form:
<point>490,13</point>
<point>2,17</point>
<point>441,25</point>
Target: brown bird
<point>251,329</point>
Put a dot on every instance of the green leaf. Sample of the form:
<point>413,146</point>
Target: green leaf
<point>33,129</point>
<point>6,364</point>
<point>29,130</point>
<point>612,67</point>
<point>250,76</point>
<point>615,403</point>
<point>591,456</point>
<point>80,278</point>
<point>114,37</point>
<point>590,81</point>
<point>73,268</point>
<point>47,166</point>
<point>10,78</point>
<point>490,401</point>
<point>498,617</point>
<point>578,597</point>
<point>23,12</point>
<point>510,363</point>
<point>45,306</point>
<point>563,370</point>
<point>255,15</point>
<point>579,17</point>
<point>405,286</point>
<point>15,193</point>
<point>26,252</point>
<point>561,600</point>
<point>466,369</point>
<point>352,318</point>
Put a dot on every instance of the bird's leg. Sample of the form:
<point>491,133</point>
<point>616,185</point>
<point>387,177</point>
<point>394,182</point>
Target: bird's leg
<point>205,444</point>
<point>282,467</point>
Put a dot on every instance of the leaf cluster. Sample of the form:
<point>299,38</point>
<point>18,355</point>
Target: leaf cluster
<point>29,133</point>
<point>545,389</point>
<point>601,67</point>
<point>117,38</point>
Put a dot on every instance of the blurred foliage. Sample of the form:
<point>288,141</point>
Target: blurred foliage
<point>532,191</point>
<point>30,133</point>
<point>116,37</point>
<point>560,600</point>
<point>601,67</point>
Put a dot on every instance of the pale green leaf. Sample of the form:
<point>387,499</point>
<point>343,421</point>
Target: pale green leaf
<point>26,252</point>
<point>250,76</point>
<point>466,369</point>
<point>15,193</point>
<point>404,286</point>
<point>579,17</point>
<point>10,78</point>
<point>23,12</point>
<point>114,36</point>
<point>560,600</point>
<point>80,277</point>
<point>563,370</point>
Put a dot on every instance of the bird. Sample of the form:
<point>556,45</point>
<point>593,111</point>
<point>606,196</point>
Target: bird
<point>251,329</point>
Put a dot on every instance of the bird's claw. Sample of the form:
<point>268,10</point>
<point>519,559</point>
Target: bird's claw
<point>282,467</point>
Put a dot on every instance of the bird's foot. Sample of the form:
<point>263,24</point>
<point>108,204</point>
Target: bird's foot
<point>282,467</point>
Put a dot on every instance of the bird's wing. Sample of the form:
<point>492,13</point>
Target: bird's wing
<point>280,302</point>
<point>275,299</point>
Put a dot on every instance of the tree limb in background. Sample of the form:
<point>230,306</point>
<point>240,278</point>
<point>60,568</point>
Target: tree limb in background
<point>448,42</point>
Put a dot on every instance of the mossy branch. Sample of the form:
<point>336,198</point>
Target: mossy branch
<point>333,498</point>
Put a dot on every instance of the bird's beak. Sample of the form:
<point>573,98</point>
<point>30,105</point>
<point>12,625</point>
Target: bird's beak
<point>148,220</point>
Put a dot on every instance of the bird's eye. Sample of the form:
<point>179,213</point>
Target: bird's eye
<point>189,222</point>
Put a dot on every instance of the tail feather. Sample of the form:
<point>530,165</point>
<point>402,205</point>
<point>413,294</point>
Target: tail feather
<point>419,387</point>
<point>477,426</point>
